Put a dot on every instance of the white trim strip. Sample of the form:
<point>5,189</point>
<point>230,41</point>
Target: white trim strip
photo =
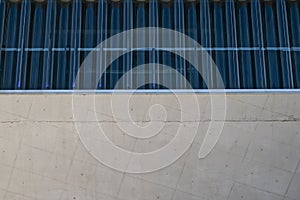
<point>151,91</point>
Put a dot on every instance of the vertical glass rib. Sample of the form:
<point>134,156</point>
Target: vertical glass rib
<point>62,45</point>
<point>115,28</point>
<point>232,55</point>
<point>271,42</point>
<point>141,56</point>
<point>2,20</point>
<point>191,31</point>
<point>2,29</point>
<point>166,21</point>
<point>127,59</point>
<point>294,17</point>
<point>244,42</point>
<point>49,44</point>
<point>258,38</point>
<point>285,55</point>
<point>101,36</point>
<point>11,46</point>
<point>36,45</point>
<point>26,43</point>
<point>153,75</point>
<point>88,44</point>
<point>75,43</point>
<point>219,42</point>
<point>179,26</point>
<point>20,75</point>
<point>206,42</point>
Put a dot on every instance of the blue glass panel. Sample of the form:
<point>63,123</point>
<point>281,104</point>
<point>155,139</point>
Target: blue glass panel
<point>115,28</point>
<point>140,59</point>
<point>191,31</point>
<point>285,55</point>
<point>37,39</point>
<point>179,26</point>
<point>255,44</point>
<point>101,36</point>
<point>258,42</point>
<point>206,41</point>
<point>75,43</point>
<point>127,25</point>
<point>219,42</point>
<point>88,43</point>
<point>271,45</point>
<point>154,21</point>
<point>231,38</point>
<point>2,30</point>
<point>47,79</point>
<point>246,73</point>
<point>9,66</point>
<point>167,58</point>
<point>294,16</point>
<point>62,47</point>
<point>21,66</point>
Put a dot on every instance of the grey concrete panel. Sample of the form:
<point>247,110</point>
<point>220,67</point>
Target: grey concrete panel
<point>42,156</point>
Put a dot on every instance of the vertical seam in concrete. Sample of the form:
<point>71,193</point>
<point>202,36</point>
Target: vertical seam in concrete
<point>179,178</point>
<point>29,110</point>
<point>124,173</point>
<point>70,166</point>
<point>292,178</point>
<point>230,191</point>
<point>15,159</point>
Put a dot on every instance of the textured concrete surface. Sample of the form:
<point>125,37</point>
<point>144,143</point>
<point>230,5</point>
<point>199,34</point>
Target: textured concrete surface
<point>256,158</point>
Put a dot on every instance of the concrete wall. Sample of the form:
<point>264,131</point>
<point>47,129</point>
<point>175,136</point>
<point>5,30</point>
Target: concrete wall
<point>256,157</point>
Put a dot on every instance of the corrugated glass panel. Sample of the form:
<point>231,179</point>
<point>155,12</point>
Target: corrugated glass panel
<point>255,44</point>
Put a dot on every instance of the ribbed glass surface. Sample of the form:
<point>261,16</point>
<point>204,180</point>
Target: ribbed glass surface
<point>255,44</point>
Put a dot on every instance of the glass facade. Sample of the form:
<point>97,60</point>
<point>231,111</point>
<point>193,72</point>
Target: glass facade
<point>255,44</point>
